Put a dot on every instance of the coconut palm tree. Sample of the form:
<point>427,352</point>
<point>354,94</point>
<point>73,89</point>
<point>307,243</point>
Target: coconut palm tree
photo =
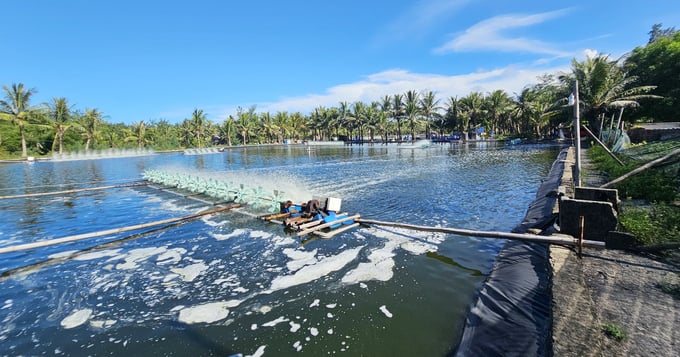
<point>357,119</point>
<point>344,117</point>
<point>59,115</point>
<point>227,129</point>
<point>603,85</point>
<point>283,126</point>
<point>534,108</point>
<point>298,126</point>
<point>269,128</point>
<point>429,108</point>
<point>472,110</point>
<point>137,133</point>
<point>398,112</point>
<point>91,121</point>
<point>198,124</point>
<point>412,110</point>
<point>371,114</point>
<point>246,123</point>
<point>17,109</point>
<point>497,105</point>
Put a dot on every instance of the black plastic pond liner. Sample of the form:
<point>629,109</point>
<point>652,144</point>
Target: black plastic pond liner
<point>513,315</point>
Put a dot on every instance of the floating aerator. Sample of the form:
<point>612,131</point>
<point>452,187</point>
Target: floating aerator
<point>222,190</point>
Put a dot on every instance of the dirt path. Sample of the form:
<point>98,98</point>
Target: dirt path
<point>618,288</point>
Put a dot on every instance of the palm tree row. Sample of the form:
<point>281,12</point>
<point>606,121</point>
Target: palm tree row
<point>604,88</point>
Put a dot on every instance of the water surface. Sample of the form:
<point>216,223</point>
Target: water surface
<point>230,283</point>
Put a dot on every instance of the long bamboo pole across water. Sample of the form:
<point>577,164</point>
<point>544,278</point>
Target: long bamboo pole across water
<point>489,234</point>
<point>38,194</point>
<point>642,168</point>
<point>78,237</point>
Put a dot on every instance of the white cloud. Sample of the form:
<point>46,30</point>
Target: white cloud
<point>491,35</point>
<point>512,79</point>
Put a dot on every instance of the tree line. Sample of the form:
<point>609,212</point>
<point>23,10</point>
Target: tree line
<point>646,83</point>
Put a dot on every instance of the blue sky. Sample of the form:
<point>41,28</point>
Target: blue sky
<point>147,60</point>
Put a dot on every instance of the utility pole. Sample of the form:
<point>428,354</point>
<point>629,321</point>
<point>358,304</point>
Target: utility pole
<point>577,131</point>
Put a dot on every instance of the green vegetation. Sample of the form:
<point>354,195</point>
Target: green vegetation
<point>655,224</point>
<point>654,185</point>
<point>614,331</point>
<point>606,88</point>
<point>657,220</point>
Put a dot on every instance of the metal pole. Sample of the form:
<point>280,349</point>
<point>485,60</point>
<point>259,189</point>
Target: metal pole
<point>577,130</point>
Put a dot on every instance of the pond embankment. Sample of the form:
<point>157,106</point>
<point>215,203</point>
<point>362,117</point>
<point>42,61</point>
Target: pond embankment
<point>542,300</point>
<point>618,289</point>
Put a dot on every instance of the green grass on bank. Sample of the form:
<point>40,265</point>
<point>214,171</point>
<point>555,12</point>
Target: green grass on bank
<point>654,224</point>
<point>658,220</point>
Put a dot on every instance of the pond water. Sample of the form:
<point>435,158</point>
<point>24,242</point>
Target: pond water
<point>230,284</point>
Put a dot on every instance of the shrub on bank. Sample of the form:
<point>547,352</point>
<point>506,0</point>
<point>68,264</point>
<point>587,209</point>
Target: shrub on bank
<point>659,220</point>
<point>655,224</point>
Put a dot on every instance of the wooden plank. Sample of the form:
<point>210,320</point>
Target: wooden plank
<point>309,224</point>
<point>325,225</point>
<point>331,234</point>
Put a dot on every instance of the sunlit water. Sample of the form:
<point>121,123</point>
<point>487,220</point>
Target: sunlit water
<point>230,283</point>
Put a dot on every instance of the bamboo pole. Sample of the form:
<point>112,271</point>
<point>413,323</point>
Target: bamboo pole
<point>75,190</point>
<point>321,226</point>
<point>335,232</point>
<point>489,234</point>
<point>641,168</point>
<point>78,237</point>
<point>603,145</point>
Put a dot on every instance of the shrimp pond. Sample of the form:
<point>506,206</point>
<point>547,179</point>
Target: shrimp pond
<point>229,283</point>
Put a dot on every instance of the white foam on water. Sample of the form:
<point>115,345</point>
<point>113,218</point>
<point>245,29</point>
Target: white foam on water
<point>330,331</point>
<point>172,256</point>
<point>253,327</point>
<point>322,268</point>
<point>207,313</point>
<point>297,345</point>
<point>380,266</point>
<point>283,241</point>
<point>63,254</point>
<point>76,318</point>
<point>384,310</point>
<point>190,272</point>
<point>315,303</point>
<point>98,255</point>
<point>314,331</point>
<point>235,233</point>
<point>299,258</point>
<point>138,255</point>
<point>331,306</point>
<point>275,322</point>
<point>102,323</point>
<point>8,304</point>
<point>240,289</point>
<point>259,352</point>
<point>168,205</point>
<point>260,234</point>
<point>294,326</point>
<point>211,223</point>
<point>411,241</point>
